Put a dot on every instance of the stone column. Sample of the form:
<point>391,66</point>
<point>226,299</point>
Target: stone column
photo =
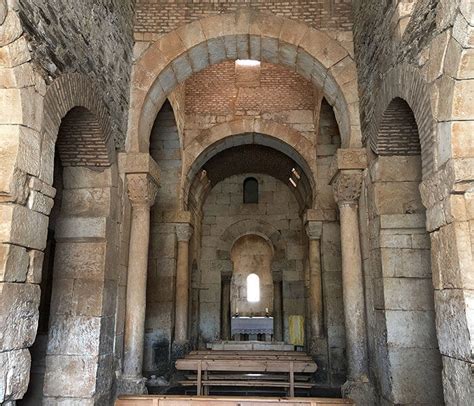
<point>313,230</point>
<point>347,189</point>
<point>142,191</point>
<point>184,231</point>
<point>277,310</point>
<point>225,306</point>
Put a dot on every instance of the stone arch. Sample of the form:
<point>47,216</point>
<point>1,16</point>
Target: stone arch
<point>281,139</point>
<point>297,143</point>
<point>77,123</point>
<point>244,34</point>
<point>72,104</point>
<point>406,83</point>
<point>245,227</point>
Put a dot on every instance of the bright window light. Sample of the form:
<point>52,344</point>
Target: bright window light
<point>292,182</point>
<point>253,288</point>
<point>247,62</point>
<point>296,173</point>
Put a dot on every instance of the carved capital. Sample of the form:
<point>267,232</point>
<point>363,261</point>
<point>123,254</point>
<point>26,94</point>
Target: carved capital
<point>142,189</point>
<point>347,186</point>
<point>226,277</point>
<point>184,231</point>
<point>314,229</point>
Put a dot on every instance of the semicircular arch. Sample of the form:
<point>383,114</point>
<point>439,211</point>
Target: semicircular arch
<point>74,96</point>
<point>196,161</point>
<point>275,135</point>
<point>245,34</point>
<point>406,83</point>
<point>249,227</point>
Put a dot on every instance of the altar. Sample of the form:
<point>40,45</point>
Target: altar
<point>245,328</point>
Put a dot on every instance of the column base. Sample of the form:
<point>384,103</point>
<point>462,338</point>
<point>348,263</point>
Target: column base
<point>361,392</point>
<point>132,385</point>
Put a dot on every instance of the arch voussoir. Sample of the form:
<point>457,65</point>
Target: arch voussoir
<point>244,34</point>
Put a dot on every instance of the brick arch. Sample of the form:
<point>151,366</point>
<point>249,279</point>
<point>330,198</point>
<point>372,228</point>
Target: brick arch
<point>244,34</point>
<point>398,131</point>
<point>74,111</point>
<point>405,82</point>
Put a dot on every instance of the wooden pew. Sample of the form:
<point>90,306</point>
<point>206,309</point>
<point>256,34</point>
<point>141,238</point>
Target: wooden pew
<point>245,362</point>
<point>150,400</point>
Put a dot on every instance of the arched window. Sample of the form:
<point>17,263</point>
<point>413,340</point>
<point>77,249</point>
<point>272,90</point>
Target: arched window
<point>250,190</point>
<point>253,288</point>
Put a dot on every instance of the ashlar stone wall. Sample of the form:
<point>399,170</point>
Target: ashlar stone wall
<point>224,209</point>
<point>223,213</point>
<point>428,67</point>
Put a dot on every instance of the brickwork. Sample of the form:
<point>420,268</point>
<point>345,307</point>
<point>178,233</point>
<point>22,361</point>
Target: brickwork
<point>163,16</point>
<point>398,132</point>
<point>214,91</point>
<point>80,140</point>
<point>93,38</point>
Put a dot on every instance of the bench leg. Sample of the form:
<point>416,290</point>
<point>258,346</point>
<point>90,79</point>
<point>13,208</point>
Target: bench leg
<point>292,380</point>
<point>199,379</point>
<point>205,389</point>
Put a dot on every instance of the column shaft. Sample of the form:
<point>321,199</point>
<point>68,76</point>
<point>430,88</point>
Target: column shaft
<point>353,292</point>
<point>225,319</point>
<point>182,292</point>
<point>277,312</point>
<point>136,290</point>
<point>315,289</point>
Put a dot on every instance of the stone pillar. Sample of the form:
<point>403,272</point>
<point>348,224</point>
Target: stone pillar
<point>313,230</point>
<point>277,310</point>
<point>184,232</point>
<point>347,184</point>
<point>142,191</point>
<point>225,306</point>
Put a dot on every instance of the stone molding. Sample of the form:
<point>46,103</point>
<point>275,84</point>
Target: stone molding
<point>142,189</point>
<point>184,231</point>
<point>314,229</point>
<point>347,186</point>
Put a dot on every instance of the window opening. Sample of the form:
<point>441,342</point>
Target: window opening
<point>253,288</point>
<point>250,190</point>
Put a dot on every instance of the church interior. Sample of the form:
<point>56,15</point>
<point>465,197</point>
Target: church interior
<point>236,202</point>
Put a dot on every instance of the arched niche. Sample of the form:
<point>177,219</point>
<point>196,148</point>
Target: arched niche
<point>78,160</point>
<point>401,257</point>
<point>251,255</point>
